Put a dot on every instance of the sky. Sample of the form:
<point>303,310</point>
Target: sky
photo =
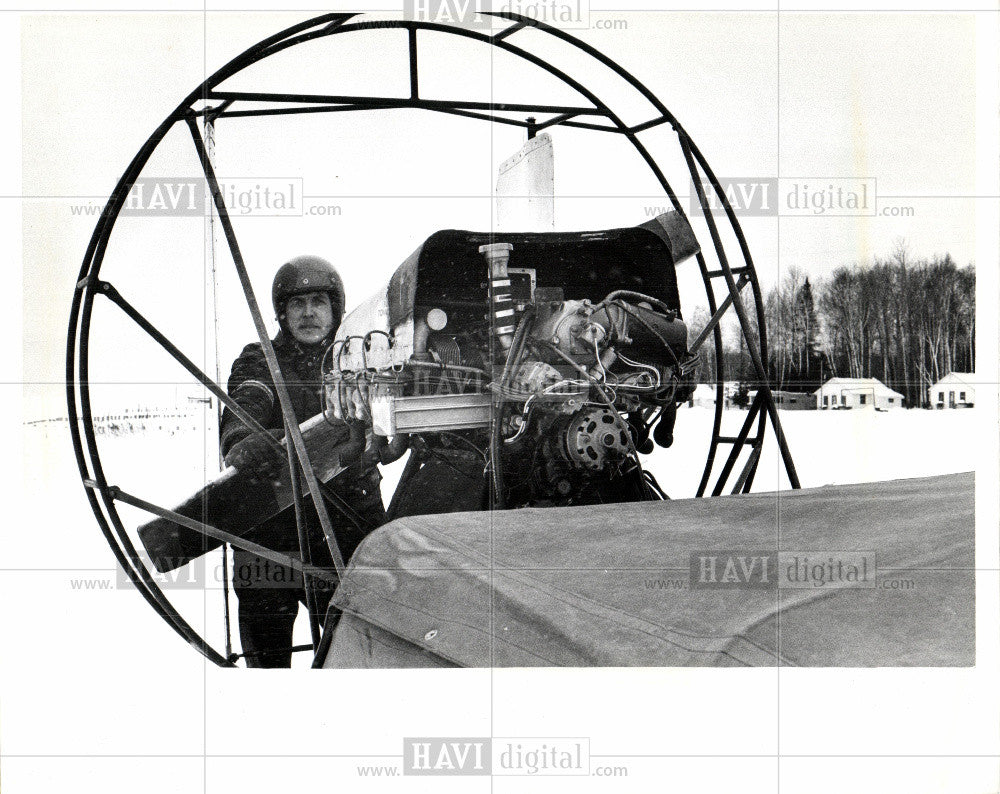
<point>886,100</point>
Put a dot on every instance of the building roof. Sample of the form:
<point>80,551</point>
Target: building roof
<point>964,378</point>
<point>858,384</point>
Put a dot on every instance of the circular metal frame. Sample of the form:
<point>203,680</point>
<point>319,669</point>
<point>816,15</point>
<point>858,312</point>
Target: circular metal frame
<point>103,495</point>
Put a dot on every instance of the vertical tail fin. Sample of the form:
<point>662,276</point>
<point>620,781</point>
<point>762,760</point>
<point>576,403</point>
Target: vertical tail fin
<point>525,194</point>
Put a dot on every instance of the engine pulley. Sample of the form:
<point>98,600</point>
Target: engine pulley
<point>595,437</point>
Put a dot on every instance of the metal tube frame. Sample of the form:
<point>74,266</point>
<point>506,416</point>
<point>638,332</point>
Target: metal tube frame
<point>103,496</point>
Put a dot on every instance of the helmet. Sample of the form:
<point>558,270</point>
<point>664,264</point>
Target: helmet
<point>307,274</point>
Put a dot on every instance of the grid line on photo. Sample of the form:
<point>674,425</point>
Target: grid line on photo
<point>566,197</point>
<point>560,569</point>
<point>777,505</point>
<point>985,9</point>
<point>592,755</point>
<point>209,266</point>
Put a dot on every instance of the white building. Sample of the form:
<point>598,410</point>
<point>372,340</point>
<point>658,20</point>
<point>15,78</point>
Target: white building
<point>954,390</point>
<point>857,393</point>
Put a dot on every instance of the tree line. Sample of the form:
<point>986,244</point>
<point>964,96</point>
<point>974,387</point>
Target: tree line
<point>905,320</point>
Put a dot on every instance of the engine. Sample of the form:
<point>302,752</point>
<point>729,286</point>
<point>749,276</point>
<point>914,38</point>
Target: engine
<point>547,399</point>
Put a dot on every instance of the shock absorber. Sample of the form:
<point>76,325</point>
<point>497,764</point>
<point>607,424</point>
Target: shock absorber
<point>501,316</point>
<point>500,296</point>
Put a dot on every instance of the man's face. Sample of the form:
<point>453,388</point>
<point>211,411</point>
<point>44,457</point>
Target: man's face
<point>309,317</point>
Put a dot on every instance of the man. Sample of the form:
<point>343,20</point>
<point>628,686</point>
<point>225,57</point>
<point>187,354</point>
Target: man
<point>308,299</point>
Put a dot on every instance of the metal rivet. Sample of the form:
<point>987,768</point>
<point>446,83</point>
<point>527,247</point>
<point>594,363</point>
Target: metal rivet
<point>430,635</point>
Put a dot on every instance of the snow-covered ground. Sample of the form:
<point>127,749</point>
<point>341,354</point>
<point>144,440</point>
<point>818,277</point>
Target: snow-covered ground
<point>62,545</point>
<point>828,447</point>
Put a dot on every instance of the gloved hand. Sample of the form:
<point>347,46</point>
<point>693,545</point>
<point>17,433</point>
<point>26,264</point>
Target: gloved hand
<point>391,451</point>
<point>337,431</point>
<point>256,455</point>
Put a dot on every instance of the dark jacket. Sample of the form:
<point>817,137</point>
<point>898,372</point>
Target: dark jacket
<point>251,386</point>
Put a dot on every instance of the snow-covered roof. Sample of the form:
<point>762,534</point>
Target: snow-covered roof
<point>963,378</point>
<point>858,384</point>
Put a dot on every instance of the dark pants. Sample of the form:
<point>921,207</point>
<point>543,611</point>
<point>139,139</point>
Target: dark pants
<point>448,481</point>
<point>269,594</point>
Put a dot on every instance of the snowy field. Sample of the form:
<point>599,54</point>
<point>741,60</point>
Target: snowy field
<point>828,447</point>
<point>70,569</point>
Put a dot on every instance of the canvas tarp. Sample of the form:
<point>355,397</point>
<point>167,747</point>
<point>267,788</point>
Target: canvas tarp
<point>611,585</point>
